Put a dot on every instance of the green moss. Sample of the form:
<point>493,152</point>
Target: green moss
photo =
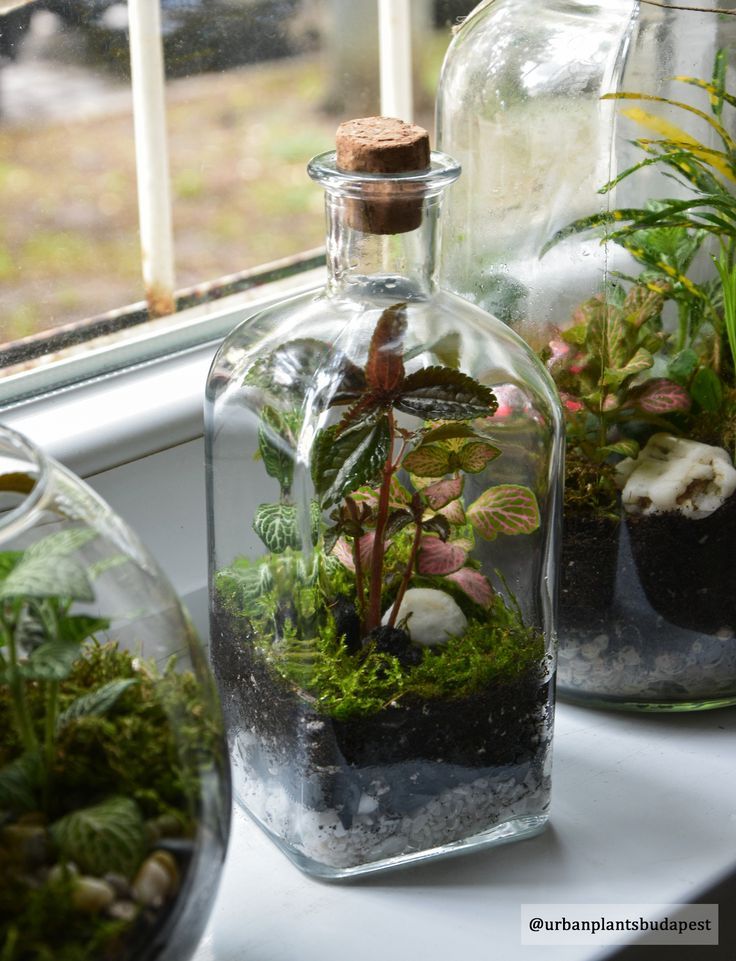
<point>494,649</point>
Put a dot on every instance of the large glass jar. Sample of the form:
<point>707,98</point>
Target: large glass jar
<point>114,783</point>
<point>383,470</point>
<point>597,216</point>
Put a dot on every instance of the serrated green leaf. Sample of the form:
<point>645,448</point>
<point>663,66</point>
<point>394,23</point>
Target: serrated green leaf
<point>507,509</point>
<point>341,464</point>
<point>278,527</point>
<point>96,703</point>
<point>397,521</point>
<point>107,837</point>
<point>442,393</point>
<point>20,784</point>
<point>292,367</point>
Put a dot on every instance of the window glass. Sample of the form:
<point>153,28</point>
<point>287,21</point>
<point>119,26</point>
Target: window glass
<point>253,89</point>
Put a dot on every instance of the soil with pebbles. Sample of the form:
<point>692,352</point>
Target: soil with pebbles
<point>662,630</point>
<point>408,778</point>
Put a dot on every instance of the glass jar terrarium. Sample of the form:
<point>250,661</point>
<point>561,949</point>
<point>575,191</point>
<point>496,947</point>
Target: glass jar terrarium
<point>114,784</point>
<point>383,467</point>
<point>597,216</point>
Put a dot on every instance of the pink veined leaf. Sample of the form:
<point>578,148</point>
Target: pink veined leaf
<point>474,456</point>
<point>506,509</point>
<point>570,403</point>
<point>454,512</point>
<point>662,396</point>
<point>474,584</point>
<point>442,492</point>
<point>343,551</point>
<point>429,460</point>
<point>436,557</point>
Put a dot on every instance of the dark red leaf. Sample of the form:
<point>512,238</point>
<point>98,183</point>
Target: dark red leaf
<point>385,367</point>
<point>442,393</point>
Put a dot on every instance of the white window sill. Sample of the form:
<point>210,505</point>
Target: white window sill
<point>641,807</point>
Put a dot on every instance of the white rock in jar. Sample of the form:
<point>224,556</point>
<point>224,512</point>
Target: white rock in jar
<point>431,616</point>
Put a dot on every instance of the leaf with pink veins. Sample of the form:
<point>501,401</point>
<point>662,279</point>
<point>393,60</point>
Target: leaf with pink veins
<point>437,557</point>
<point>661,396</point>
<point>506,509</point>
<point>442,492</point>
<point>454,512</point>
<point>474,584</point>
<point>343,551</point>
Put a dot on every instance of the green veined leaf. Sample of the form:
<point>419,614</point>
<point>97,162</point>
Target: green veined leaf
<point>474,457</point>
<point>278,526</point>
<point>341,464</point>
<point>507,509</point>
<point>291,369</point>
<point>276,447</point>
<point>107,837</point>
<point>96,703</point>
<point>642,360</point>
<point>52,661</point>
<point>47,570</point>
<point>441,393</point>
<point>20,784</point>
<point>428,460</point>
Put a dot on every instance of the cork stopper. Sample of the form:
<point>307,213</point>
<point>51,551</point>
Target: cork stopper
<point>384,145</point>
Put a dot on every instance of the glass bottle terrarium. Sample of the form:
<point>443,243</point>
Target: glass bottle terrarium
<point>383,467</point>
<point>114,783</point>
<point>597,216</point>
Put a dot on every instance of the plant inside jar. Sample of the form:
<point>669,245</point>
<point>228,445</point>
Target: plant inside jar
<point>100,762</point>
<point>378,621</point>
<point>661,396</point>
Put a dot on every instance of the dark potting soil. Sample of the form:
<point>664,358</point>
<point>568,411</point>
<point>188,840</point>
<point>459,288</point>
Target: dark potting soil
<point>587,568</point>
<point>687,567</point>
<point>328,759</point>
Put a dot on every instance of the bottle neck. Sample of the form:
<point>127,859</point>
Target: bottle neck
<point>359,261</point>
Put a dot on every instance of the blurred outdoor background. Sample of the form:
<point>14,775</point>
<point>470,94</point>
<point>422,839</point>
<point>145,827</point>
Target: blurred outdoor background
<point>254,89</point>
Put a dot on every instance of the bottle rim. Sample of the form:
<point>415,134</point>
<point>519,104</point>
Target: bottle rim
<point>443,170</point>
<point>16,444</point>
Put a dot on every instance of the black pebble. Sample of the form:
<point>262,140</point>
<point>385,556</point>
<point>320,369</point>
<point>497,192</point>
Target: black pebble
<point>347,623</point>
<point>392,640</point>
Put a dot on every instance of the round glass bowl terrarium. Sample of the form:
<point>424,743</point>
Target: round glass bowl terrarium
<point>114,785</point>
<point>597,216</point>
<point>383,465</point>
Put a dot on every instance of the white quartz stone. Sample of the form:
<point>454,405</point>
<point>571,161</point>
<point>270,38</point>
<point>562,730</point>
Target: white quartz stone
<point>674,474</point>
<point>431,616</point>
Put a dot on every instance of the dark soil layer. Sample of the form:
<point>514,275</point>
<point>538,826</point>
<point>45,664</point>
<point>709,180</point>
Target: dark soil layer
<point>588,567</point>
<point>328,759</point>
<point>688,567</point>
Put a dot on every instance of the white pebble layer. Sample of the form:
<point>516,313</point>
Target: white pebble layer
<point>454,814</point>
